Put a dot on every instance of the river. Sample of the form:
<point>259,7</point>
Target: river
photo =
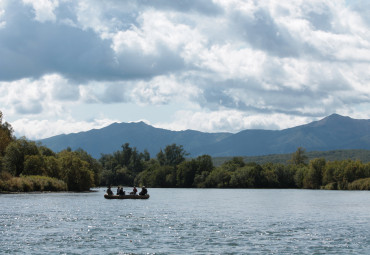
<point>187,221</point>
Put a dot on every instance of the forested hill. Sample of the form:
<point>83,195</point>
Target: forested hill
<point>334,132</point>
<point>335,155</point>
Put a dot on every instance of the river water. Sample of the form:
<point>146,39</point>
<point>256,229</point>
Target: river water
<point>187,221</point>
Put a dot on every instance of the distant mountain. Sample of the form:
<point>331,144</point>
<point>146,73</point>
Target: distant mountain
<point>331,133</point>
<point>139,135</point>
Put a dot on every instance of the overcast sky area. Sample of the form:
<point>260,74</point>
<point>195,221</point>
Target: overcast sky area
<point>223,65</point>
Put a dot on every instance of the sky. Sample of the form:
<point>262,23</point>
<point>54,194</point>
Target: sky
<point>210,65</point>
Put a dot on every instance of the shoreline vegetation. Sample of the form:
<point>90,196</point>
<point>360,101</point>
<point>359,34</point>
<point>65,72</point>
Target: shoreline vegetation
<point>26,166</point>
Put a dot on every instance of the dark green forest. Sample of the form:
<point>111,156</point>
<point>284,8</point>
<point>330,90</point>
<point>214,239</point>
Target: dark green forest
<point>28,166</point>
<point>359,154</point>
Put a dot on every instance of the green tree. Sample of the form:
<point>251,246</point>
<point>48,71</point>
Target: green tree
<point>45,151</point>
<point>313,179</point>
<point>218,178</point>
<point>299,157</point>
<point>126,154</point>
<point>300,174</point>
<point>233,164</point>
<point>269,173</point>
<point>285,175</point>
<point>145,155</point>
<point>75,172</point>
<point>124,177</point>
<point>15,154</point>
<point>33,165</point>
<point>6,135</point>
<point>161,157</point>
<point>249,176</point>
<point>191,170</point>
<point>135,162</point>
<point>204,166</point>
<point>52,167</point>
<point>94,165</point>
<point>241,178</point>
<point>173,155</point>
<point>108,178</point>
<point>185,173</point>
<point>163,177</point>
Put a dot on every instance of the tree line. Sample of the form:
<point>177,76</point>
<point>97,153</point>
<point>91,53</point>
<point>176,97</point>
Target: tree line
<point>29,166</point>
<point>170,169</point>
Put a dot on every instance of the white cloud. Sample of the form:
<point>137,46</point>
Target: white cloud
<point>230,121</point>
<point>2,22</point>
<point>37,97</point>
<point>231,61</point>
<point>236,64</point>
<point>163,90</point>
<point>39,129</point>
<point>154,30</point>
<point>44,9</point>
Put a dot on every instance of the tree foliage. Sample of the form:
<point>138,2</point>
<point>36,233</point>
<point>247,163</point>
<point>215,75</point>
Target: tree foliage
<point>78,170</point>
<point>172,155</point>
<point>121,166</point>
<point>15,155</point>
<point>6,135</point>
<point>27,166</point>
<point>235,173</point>
<point>299,157</point>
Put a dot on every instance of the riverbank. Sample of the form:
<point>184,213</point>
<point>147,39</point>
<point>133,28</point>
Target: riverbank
<point>32,184</point>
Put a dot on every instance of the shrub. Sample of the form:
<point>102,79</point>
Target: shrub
<point>360,184</point>
<point>330,186</point>
<point>4,175</point>
<point>32,183</point>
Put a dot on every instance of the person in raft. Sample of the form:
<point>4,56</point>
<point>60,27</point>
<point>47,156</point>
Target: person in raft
<point>109,191</point>
<point>143,191</point>
<point>134,190</point>
<point>121,192</point>
<point>118,190</point>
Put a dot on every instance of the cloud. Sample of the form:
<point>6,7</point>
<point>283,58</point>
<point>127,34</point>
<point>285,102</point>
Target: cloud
<point>233,61</point>
<point>44,9</point>
<point>33,49</point>
<point>163,90</point>
<point>46,128</point>
<point>28,96</point>
<point>226,120</point>
<point>203,7</point>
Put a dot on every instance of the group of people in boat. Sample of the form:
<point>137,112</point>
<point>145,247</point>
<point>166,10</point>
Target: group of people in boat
<point>121,192</point>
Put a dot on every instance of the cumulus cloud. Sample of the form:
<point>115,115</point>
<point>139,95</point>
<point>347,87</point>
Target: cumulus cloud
<point>46,128</point>
<point>226,120</point>
<point>44,96</point>
<point>44,9</point>
<point>32,49</point>
<point>235,64</point>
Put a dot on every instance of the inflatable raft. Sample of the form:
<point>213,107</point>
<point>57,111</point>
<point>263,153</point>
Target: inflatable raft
<point>126,196</point>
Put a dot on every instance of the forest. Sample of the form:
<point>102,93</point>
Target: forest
<point>28,166</point>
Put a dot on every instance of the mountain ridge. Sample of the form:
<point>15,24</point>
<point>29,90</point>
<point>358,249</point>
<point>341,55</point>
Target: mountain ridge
<point>330,133</point>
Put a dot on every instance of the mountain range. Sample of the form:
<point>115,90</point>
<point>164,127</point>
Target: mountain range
<point>334,132</point>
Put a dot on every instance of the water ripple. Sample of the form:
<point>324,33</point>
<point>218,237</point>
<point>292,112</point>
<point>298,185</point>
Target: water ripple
<point>187,222</point>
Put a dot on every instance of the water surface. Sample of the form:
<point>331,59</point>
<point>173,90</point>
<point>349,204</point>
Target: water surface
<point>187,221</point>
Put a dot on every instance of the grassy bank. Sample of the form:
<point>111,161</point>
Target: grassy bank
<point>31,183</point>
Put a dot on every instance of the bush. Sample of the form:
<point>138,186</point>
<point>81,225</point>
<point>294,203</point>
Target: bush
<point>330,186</point>
<point>360,184</point>
<point>32,183</point>
<point>4,175</point>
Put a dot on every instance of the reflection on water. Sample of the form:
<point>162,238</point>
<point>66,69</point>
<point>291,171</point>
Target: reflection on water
<point>175,221</point>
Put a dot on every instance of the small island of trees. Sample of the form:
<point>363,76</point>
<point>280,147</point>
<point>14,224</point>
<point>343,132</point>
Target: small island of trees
<point>28,166</point>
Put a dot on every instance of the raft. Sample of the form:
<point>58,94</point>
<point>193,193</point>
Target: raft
<point>126,196</point>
